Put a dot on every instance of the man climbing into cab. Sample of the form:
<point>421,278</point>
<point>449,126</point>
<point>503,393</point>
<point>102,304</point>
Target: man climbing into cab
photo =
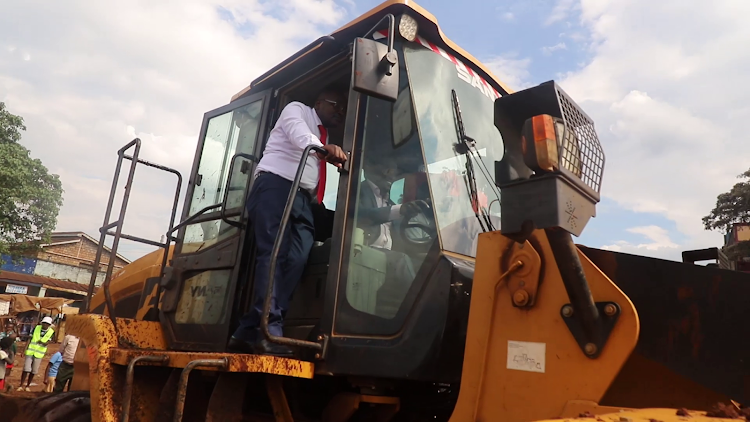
<point>298,126</point>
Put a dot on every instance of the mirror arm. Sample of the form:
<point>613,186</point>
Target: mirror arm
<point>386,65</point>
<point>391,29</point>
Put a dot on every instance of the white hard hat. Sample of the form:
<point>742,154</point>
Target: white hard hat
<point>46,320</point>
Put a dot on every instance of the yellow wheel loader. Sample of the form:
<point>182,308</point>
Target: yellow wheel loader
<point>478,308</point>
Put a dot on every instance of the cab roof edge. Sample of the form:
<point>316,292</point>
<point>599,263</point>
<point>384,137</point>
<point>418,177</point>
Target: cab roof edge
<point>411,5</point>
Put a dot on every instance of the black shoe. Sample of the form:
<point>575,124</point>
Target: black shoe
<point>240,346</point>
<point>265,347</point>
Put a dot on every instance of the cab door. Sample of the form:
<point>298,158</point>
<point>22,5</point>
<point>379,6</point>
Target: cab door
<point>386,292</point>
<point>200,286</point>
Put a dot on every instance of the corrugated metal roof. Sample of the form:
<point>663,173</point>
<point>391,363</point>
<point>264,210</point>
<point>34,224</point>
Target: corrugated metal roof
<point>83,235</point>
<point>51,283</point>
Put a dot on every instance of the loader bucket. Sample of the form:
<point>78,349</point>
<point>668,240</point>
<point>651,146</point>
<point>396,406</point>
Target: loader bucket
<point>694,345</point>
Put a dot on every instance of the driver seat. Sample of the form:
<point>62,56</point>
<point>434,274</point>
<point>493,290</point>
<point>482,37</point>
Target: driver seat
<point>367,274</point>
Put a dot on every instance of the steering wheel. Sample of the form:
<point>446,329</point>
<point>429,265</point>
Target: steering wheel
<point>426,225</point>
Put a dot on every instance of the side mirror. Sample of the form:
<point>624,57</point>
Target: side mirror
<point>375,69</point>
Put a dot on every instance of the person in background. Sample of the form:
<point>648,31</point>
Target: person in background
<point>51,372</point>
<point>26,324</point>
<point>10,332</point>
<point>35,351</point>
<point>5,344</point>
<point>64,374</point>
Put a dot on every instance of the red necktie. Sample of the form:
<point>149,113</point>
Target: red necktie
<point>322,179</point>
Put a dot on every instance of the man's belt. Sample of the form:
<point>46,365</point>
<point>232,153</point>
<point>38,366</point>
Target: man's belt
<point>303,191</point>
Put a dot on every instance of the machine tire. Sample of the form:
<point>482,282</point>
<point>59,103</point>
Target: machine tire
<point>71,406</point>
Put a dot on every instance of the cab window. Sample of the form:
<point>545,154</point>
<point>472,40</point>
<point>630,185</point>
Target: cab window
<point>392,216</point>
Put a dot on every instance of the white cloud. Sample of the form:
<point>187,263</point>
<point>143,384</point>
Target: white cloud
<point>658,236</point>
<point>658,240</point>
<point>509,16</point>
<point>616,247</point>
<point>512,71</point>
<point>561,11</point>
<point>548,50</point>
<point>117,70</point>
<point>668,94</point>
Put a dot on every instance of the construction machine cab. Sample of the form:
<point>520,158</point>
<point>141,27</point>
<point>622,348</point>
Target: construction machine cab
<point>394,291</point>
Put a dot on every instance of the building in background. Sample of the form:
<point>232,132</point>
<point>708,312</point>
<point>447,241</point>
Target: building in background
<point>740,233</point>
<point>34,285</point>
<point>69,257</point>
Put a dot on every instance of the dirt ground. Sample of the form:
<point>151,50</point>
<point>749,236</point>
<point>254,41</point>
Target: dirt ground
<point>37,385</point>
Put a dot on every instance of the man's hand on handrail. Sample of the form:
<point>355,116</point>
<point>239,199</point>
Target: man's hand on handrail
<point>331,153</point>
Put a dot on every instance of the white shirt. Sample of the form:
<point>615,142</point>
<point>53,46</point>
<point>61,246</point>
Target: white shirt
<point>3,363</point>
<point>68,348</point>
<point>384,241</point>
<point>296,128</point>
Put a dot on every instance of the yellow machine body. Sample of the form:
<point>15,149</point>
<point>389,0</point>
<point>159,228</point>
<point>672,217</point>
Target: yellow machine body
<point>521,363</point>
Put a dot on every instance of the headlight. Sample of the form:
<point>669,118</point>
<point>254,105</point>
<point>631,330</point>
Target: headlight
<point>539,143</point>
<point>407,27</point>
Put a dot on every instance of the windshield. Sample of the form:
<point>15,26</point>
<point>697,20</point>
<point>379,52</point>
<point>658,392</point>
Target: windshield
<point>456,218</point>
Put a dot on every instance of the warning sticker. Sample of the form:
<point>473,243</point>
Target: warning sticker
<point>526,356</point>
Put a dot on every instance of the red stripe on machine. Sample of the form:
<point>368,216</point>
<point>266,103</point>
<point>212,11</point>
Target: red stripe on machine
<point>465,73</point>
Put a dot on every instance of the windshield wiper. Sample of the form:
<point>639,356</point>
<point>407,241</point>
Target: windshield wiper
<point>464,146</point>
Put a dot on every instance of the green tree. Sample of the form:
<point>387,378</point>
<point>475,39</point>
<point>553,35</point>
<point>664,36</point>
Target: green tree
<point>732,207</point>
<point>30,197</point>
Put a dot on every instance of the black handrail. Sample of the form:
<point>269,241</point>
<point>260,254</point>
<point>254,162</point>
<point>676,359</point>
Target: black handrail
<point>192,218</point>
<point>229,182</point>
<point>168,239</point>
<point>275,255</point>
<point>106,225</point>
<point>117,224</point>
<point>118,231</point>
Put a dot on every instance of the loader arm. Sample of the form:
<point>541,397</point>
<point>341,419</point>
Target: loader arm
<point>522,363</point>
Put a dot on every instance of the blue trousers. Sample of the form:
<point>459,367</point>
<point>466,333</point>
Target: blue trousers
<point>265,206</point>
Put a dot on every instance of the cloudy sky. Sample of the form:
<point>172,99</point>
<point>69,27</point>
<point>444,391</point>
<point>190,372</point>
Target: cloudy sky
<point>664,81</point>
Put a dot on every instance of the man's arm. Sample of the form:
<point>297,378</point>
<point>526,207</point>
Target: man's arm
<point>375,215</point>
<point>369,213</point>
<point>292,122</point>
